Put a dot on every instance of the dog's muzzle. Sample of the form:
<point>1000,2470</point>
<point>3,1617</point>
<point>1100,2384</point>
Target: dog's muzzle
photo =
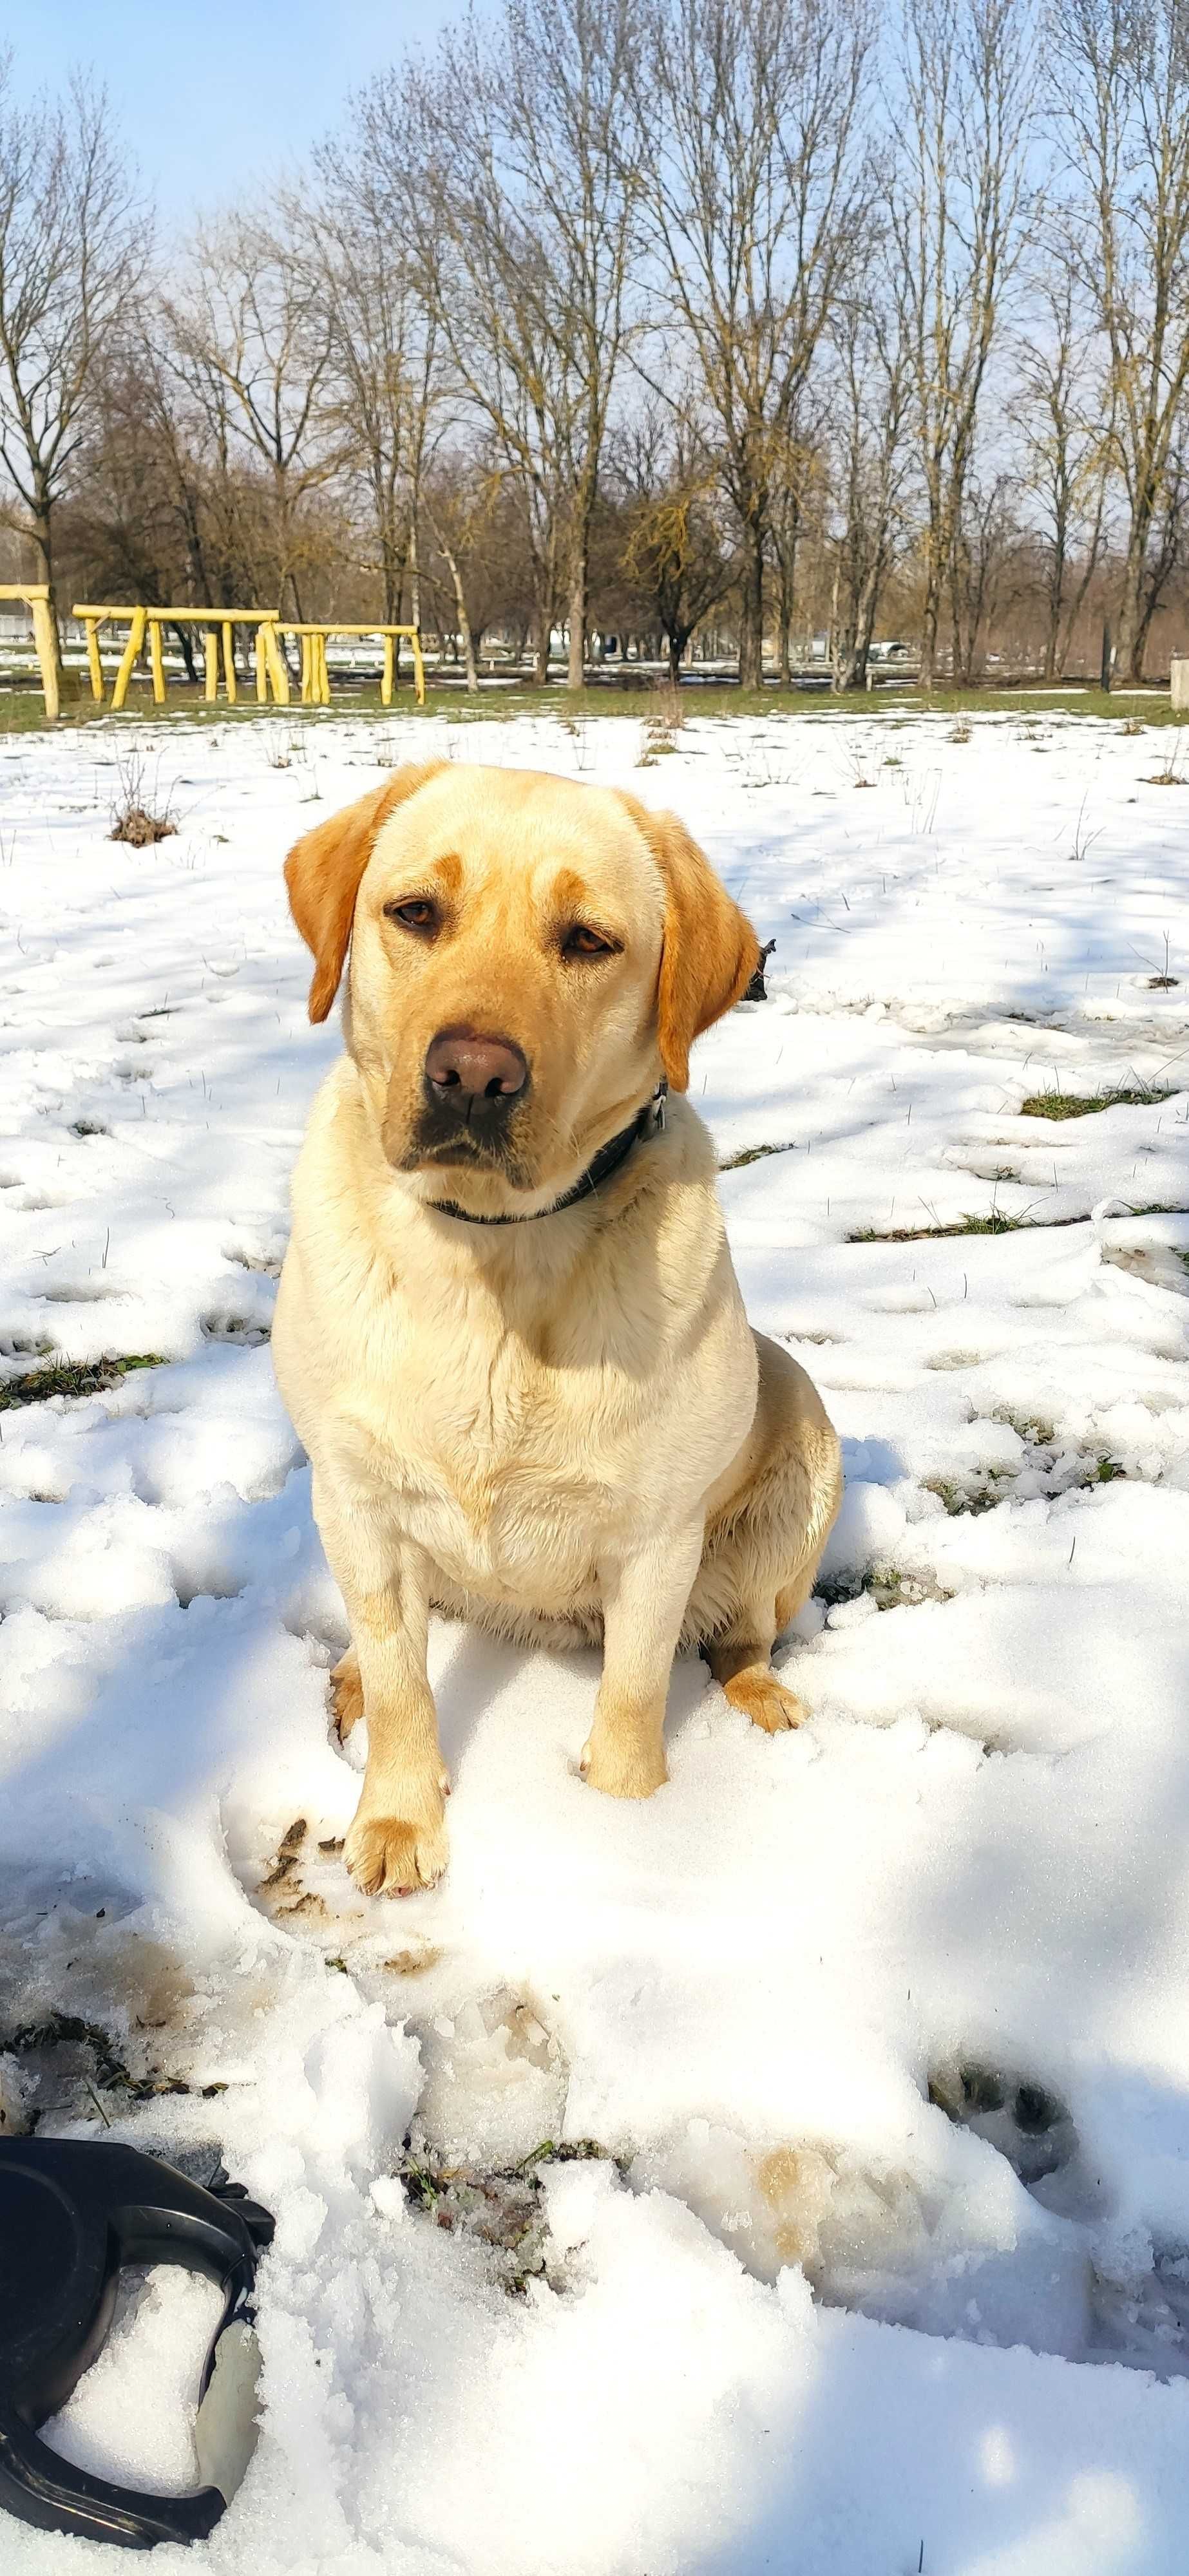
<point>471,1085</point>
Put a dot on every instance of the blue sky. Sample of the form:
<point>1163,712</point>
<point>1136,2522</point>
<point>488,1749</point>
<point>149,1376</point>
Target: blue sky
<point>225,93</point>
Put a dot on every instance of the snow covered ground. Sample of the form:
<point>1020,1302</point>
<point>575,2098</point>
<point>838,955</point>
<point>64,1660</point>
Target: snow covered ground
<point>883,2028</point>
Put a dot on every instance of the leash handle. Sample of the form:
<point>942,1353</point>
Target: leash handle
<point>73,2212</point>
<point>40,2487</point>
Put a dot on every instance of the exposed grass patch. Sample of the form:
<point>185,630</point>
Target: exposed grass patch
<point>753,1154</point>
<point>1085,1104</point>
<point>73,1378</point>
<point>82,2058</point>
<point>502,2206</point>
<point>995,1223</point>
<point>885,1584</point>
<point>22,710</point>
<point>965,1500</point>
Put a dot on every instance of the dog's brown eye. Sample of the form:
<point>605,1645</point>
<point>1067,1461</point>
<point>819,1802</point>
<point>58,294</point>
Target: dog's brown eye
<point>417,914</point>
<point>582,941</point>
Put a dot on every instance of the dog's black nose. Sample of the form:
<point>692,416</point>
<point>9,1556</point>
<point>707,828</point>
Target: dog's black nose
<point>462,1068</point>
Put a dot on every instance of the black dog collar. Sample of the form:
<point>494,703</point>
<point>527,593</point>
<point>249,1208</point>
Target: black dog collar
<point>649,1122</point>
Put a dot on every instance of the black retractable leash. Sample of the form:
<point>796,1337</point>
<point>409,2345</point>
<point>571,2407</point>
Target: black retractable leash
<point>73,2212</point>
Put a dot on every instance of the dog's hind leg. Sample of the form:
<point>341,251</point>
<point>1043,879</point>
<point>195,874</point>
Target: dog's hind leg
<point>761,1557</point>
<point>346,1694</point>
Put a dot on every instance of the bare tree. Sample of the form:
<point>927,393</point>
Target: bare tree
<point>385,370</point>
<point>1122,84</point>
<point>458,499</point>
<point>675,551</point>
<point>1068,451</point>
<point>520,195</point>
<point>69,257</point>
<point>870,424</point>
<point>984,542</point>
<point>798,490</point>
<point>758,191</point>
<point>253,341</point>
<point>959,208</point>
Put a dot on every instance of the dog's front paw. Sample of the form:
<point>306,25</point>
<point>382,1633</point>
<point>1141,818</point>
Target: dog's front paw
<point>623,1766</point>
<point>765,1701</point>
<point>393,1856</point>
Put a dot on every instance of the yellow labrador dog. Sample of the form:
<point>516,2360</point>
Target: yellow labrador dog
<point>508,1329</point>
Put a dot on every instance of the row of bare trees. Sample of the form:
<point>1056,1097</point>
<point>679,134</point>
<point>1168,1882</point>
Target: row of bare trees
<point>644,314</point>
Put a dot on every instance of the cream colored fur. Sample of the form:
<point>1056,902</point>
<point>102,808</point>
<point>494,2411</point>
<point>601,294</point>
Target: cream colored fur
<point>563,1430</point>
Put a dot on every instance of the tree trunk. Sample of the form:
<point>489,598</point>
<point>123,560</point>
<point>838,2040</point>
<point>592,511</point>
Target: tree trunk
<point>544,604</point>
<point>935,556</point>
<point>1056,603</point>
<point>576,666</point>
<point>43,540</point>
<point>414,573</point>
<point>392,564</point>
<point>185,643</point>
<point>464,623</point>
<point>751,622</point>
<point>1133,626</point>
<point>865,620</point>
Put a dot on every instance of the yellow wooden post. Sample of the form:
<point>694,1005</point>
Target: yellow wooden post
<point>386,674</point>
<point>275,659</point>
<point>45,641</point>
<point>323,673</point>
<point>210,662</point>
<point>229,662</point>
<point>261,669</point>
<point>128,658</point>
<point>94,663</point>
<point>306,670</point>
<point>36,597</point>
<point>418,664</point>
<point>156,664</point>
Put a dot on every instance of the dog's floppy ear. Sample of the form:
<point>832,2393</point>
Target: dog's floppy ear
<point>710,951</point>
<point>323,872</point>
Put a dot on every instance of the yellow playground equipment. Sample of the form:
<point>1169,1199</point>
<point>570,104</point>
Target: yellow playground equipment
<point>315,678</point>
<point>36,595</point>
<point>217,624</point>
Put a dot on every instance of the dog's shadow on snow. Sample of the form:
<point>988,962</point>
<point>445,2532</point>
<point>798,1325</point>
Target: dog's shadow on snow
<point>474,1670</point>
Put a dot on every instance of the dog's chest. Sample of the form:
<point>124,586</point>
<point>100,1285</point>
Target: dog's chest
<point>507,1471</point>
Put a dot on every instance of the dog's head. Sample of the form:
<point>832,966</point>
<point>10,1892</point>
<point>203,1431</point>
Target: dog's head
<point>527,954</point>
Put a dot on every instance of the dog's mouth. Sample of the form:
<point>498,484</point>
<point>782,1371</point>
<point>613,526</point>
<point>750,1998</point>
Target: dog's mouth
<point>439,1141</point>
